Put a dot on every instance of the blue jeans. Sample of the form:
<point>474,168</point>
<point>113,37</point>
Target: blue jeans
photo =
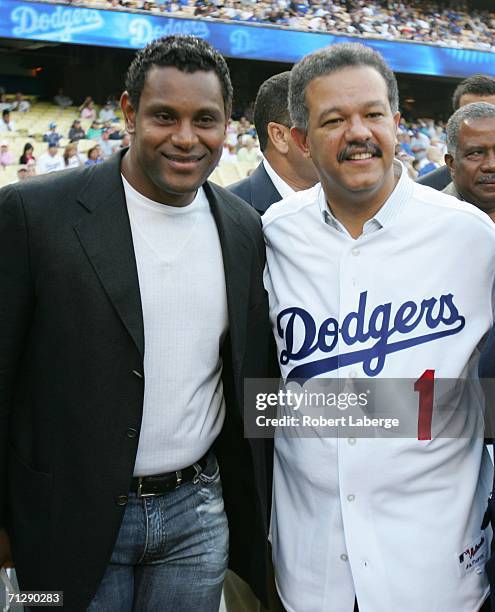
<point>171,552</point>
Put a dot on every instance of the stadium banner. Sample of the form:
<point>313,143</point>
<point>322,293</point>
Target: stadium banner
<point>106,28</point>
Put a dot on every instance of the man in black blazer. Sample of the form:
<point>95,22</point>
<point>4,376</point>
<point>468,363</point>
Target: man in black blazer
<point>476,88</point>
<point>284,170</point>
<point>80,314</point>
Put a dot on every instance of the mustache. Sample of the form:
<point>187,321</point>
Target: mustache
<point>487,178</point>
<point>359,147</point>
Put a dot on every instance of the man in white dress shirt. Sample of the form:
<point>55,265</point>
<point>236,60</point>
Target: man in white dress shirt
<point>373,276</point>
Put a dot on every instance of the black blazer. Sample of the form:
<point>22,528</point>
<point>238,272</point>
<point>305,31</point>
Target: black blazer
<point>257,190</point>
<point>438,179</point>
<point>71,377</point>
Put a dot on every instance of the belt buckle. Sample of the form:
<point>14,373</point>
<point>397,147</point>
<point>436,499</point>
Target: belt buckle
<point>140,493</point>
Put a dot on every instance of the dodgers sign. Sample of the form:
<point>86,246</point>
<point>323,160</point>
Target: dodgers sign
<point>106,28</point>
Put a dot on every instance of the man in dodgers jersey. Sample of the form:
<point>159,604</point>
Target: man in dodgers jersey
<point>372,275</point>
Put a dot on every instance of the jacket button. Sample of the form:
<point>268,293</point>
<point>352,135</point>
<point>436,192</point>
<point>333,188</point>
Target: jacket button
<point>138,374</point>
<point>121,500</point>
<point>131,433</point>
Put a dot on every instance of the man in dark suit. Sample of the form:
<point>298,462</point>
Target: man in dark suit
<point>284,170</point>
<point>476,88</point>
<point>131,309</point>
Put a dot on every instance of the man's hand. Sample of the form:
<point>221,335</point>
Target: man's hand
<point>5,551</point>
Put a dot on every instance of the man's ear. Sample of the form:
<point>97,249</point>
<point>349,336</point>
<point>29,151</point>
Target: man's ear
<point>278,134</point>
<point>300,137</point>
<point>128,112</point>
<point>449,160</point>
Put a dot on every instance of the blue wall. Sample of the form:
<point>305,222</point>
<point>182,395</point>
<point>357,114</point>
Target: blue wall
<point>38,21</point>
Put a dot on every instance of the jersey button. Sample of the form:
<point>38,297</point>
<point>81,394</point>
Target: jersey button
<point>344,557</point>
<point>355,252</point>
<point>351,441</point>
<point>351,497</point>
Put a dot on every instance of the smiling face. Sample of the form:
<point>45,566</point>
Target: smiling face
<point>473,168</point>
<point>177,134</point>
<point>351,135</point>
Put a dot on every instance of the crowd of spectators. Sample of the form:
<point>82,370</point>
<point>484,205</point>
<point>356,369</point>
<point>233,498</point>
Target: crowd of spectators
<point>421,146</point>
<point>450,24</point>
<point>58,150</point>
<point>421,143</point>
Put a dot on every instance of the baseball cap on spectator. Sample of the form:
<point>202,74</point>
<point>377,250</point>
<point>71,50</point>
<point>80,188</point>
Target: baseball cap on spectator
<point>52,125</point>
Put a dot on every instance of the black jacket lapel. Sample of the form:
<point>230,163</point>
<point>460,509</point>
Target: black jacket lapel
<point>237,265</point>
<point>105,235</point>
<point>263,191</point>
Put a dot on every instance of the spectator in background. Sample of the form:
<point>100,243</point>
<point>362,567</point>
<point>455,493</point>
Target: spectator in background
<point>229,154</point>
<point>6,157</point>
<point>4,105</point>
<point>22,173</point>
<point>6,123</point>
<point>94,156</point>
<point>76,132</point>
<point>476,88</point>
<point>27,154</point>
<point>434,157</point>
<point>106,145</point>
<point>31,167</point>
<point>95,131</point>
<point>72,158</point>
<point>62,100</point>
<point>87,109</point>
<point>407,159</point>
<point>50,161</point>
<point>107,113</point>
<point>419,143</point>
<point>21,105</point>
<point>248,153</point>
<point>115,133</point>
<point>52,136</point>
<point>471,156</point>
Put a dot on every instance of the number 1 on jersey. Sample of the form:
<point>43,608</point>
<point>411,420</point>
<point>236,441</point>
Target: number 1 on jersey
<point>424,386</point>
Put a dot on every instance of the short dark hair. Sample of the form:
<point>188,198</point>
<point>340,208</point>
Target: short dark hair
<point>477,84</point>
<point>187,54</point>
<point>468,112</point>
<point>271,104</point>
<point>6,111</point>
<point>331,59</point>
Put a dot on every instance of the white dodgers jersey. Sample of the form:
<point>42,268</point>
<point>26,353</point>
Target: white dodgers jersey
<point>394,522</point>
